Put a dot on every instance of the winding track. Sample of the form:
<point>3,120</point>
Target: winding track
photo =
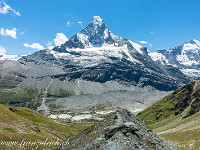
<point>44,96</point>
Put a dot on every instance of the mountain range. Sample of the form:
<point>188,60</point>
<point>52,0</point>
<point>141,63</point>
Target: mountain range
<point>96,73</point>
<point>93,67</point>
<point>186,57</point>
<point>96,54</point>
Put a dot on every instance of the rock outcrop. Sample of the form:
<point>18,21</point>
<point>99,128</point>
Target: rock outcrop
<point>194,105</point>
<point>119,131</point>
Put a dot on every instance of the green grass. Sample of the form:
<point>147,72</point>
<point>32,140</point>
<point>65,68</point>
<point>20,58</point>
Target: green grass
<point>26,97</point>
<point>10,130</point>
<point>171,105</point>
<point>10,81</point>
<point>9,93</point>
<point>185,132</point>
<point>166,118</point>
<point>18,124</point>
<point>6,96</point>
<point>20,97</point>
<point>184,140</point>
<point>61,93</point>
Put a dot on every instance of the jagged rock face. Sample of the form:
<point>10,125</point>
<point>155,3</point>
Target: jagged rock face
<point>119,131</point>
<point>96,54</point>
<point>144,73</point>
<point>186,57</point>
<point>194,101</point>
<point>96,34</point>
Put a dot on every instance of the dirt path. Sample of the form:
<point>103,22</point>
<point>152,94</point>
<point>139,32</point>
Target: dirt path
<point>44,96</point>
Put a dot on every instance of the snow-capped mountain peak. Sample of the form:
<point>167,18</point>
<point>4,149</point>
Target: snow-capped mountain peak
<point>95,54</point>
<point>185,56</point>
<point>96,43</point>
<point>97,26</point>
<point>96,34</point>
<point>97,21</point>
<point>197,42</point>
<point>192,45</point>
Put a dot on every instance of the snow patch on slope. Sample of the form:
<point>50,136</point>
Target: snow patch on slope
<point>190,46</point>
<point>191,72</point>
<point>130,57</point>
<point>83,38</point>
<point>184,60</point>
<point>137,47</point>
<point>94,55</point>
<point>197,42</point>
<point>159,57</point>
<point>10,57</point>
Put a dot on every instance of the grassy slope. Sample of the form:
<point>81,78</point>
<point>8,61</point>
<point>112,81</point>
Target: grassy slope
<point>183,133</point>
<point>20,124</point>
<point>171,105</point>
<point>164,117</point>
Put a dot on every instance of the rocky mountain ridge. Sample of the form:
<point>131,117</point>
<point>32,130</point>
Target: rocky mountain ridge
<point>96,54</point>
<point>186,57</point>
<point>120,130</point>
<point>94,66</point>
<point>96,34</point>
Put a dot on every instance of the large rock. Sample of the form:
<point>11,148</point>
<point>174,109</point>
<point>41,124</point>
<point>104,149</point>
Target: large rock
<point>119,131</point>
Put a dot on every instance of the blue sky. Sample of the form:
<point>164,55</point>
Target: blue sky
<point>162,23</point>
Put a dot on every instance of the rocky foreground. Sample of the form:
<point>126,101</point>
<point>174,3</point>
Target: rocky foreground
<point>121,130</point>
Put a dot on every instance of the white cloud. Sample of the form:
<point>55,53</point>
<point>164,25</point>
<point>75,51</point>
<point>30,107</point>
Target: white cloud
<point>22,33</point>
<point>34,45</point>
<point>80,23</point>
<point>60,39</point>
<point>5,9</point>
<point>2,50</point>
<point>7,32</point>
<point>152,32</point>
<point>49,45</point>
<point>68,23</point>
<point>143,42</point>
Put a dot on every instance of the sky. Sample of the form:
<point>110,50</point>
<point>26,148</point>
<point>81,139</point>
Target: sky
<point>27,26</point>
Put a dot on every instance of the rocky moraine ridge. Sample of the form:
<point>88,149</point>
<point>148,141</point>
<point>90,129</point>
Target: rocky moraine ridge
<point>119,131</point>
